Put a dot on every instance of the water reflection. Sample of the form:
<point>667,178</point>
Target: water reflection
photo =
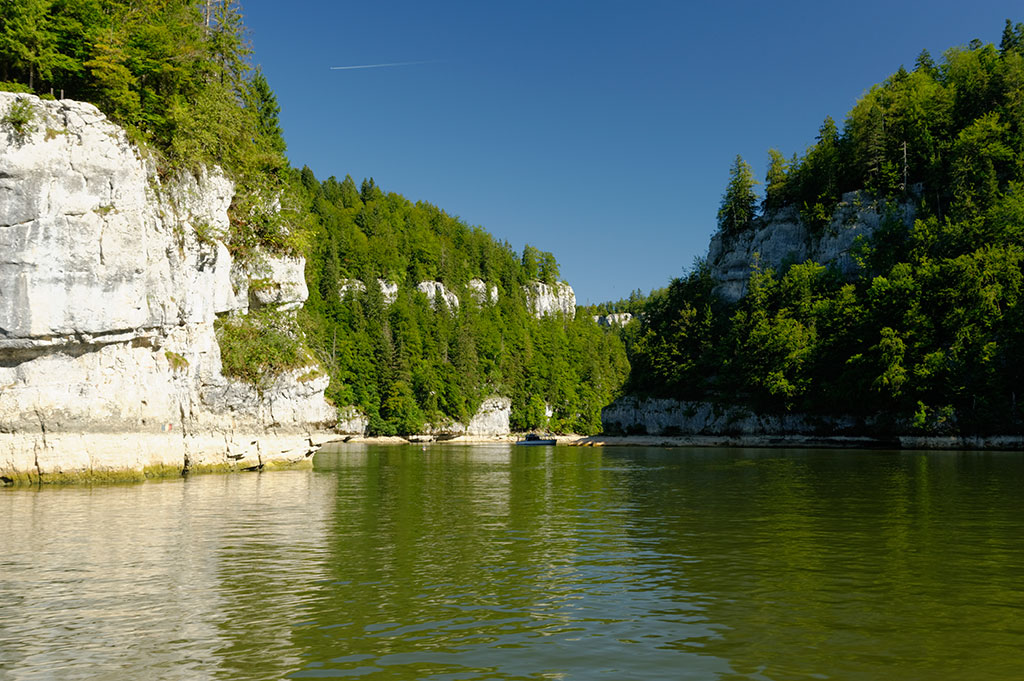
<point>503,563</point>
<point>184,579</point>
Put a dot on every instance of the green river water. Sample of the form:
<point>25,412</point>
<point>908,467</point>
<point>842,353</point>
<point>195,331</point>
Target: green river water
<point>496,562</point>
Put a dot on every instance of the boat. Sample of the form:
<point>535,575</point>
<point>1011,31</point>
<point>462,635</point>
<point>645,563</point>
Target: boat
<point>536,440</point>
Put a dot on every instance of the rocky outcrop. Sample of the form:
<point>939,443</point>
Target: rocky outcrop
<point>490,420</point>
<point>389,290</point>
<point>782,238</point>
<point>614,319</point>
<point>110,282</point>
<point>703,423</point>
<point>548,299</point>
<point>276,281</point>
<point>483,293</point>
<point>437,294</point>
<point>634,415</point>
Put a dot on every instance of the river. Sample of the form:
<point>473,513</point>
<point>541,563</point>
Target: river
<point>492,562</point>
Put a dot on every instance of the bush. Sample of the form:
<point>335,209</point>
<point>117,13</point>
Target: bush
<point>8,86</point>
<point>19,117</point>
<point>260,346</point>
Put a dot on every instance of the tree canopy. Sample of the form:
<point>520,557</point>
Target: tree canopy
<point>931,332</point>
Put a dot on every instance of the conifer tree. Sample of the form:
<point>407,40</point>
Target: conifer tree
<point>740,200</point>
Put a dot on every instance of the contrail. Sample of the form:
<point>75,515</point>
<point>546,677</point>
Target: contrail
<point>378,66</point>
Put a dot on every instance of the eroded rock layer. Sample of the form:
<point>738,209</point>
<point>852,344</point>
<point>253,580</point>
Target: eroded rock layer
<point>110,282</point>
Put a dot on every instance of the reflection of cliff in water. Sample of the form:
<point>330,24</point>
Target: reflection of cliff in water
<point>183,579</point>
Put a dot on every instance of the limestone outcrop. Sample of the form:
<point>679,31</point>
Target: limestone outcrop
<point>614,319</point>
<point>110,282</point>
<point>640,416</point>
<point>783,238</point>
<point>482,292</point>
<point>437,293</point>
<point>548,299</point>
<point>490,420</point>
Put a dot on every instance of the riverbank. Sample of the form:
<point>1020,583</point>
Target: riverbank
<point>46,458</point>
<point>911,442</point>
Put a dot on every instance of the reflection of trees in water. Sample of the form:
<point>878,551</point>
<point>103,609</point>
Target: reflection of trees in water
<point>844,562</point>
<point>445,553</point>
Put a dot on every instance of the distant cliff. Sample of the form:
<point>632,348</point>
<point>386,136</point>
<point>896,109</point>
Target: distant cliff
<point>782,238</point>
<point>111,279</point>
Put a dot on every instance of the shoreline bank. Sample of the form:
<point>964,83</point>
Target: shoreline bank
<point>62,458</point>
<point>89,458</point>
<point>901,442</point>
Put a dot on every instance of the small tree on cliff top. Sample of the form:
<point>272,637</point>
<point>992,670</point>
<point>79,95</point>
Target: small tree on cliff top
<point>740,200</point>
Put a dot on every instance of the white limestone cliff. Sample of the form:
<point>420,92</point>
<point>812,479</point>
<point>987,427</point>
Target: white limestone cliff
<point>613,319</point>
<point>783,238</point>
<point>436,292</point>
<point>548,299</point>
<point>110,282</point>
<point>490,420</point>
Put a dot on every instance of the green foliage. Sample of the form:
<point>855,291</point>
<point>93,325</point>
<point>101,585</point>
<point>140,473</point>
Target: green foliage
<point>175,74</point>
<point>260,346</point>
<point>7,86</point>
<point>177,362</point>
<point>415,360</point>
<point>931,333</point>
<point>19,117</point>
<point>739,204</point>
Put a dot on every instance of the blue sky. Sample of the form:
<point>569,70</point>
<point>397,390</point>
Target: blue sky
<point>600,131</point>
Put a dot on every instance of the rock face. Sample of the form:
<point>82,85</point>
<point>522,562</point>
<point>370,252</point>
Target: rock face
<point>437,294</point>
<point>110,282</point>
<point>546,300</point>
<point>633,415</point>
<point>483,293</point>
<point>490,420</point>
<point>783,238</point>
<point>614,319</point>
<point>278,282</point>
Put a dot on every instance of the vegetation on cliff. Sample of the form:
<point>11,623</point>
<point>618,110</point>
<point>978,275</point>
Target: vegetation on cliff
<point>176,75</point>
<point>932,331</point>
<point>406,358</point>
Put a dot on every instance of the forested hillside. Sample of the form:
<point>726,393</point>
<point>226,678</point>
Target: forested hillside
<point>931,333</point>
<point>406,357</point>
<point>416,316</point>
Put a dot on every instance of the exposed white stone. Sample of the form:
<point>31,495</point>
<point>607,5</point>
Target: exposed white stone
<point>435,290</point>
<point>350,285</point>
<point>782,238</point>
<point>633,415</point>
<point>482,293</point>
<point>614,319</point>
<point>389,290</point>
<point>490,420</point>
<point>279,282</point>
<point>351,421</point>
<point>546,300</point>
<point>109,286</point>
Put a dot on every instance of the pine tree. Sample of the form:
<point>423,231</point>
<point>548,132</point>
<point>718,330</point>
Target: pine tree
<point>775,189</point>
<point>740,200</point>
